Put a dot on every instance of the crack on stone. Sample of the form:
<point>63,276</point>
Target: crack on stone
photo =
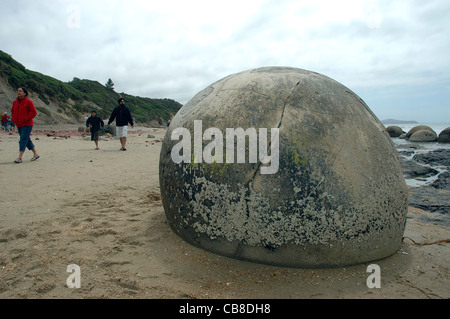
<point>285,103</point>
<point>251,182</point>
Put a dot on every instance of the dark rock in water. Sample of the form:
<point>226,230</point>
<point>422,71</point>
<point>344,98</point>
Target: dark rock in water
<point>440,157</point>
<point>430,199</point>
<point>405,153</point>
<point>335,198</point>
<point>415,147</point>
<point>412,169</point>
<point>423,136</point>
<point>443,181</point>
<point>394,131</point>
<point>418,128</point>
<point>434,198</point>
<point>444,136</point>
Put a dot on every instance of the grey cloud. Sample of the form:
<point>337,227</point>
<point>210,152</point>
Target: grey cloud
<point>380,49</point>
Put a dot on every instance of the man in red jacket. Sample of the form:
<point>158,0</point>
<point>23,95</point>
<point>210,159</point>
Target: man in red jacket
<point>22,114</point>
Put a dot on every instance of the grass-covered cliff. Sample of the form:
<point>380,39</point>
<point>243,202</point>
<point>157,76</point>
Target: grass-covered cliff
<point>70,102</point>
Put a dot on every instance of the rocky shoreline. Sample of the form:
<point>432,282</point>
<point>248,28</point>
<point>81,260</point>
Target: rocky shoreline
<point>426,168</point>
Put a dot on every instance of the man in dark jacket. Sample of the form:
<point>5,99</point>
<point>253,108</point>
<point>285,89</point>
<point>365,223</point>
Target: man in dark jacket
<point>94,122</point>
<point>122,115</point>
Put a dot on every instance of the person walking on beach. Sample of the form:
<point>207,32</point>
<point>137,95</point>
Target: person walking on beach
<point>5,121</point>
<point>94,122</point>
<point>22,114</point>
<point>122,115</point>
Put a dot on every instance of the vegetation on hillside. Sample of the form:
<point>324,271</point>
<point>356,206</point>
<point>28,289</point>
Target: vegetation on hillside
<point>76,97</point>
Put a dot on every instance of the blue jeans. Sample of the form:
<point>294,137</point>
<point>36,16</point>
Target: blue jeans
<point>25,140</point>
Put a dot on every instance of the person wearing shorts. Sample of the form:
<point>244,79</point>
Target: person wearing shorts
<point>94,122</point>
<point>122,115</point>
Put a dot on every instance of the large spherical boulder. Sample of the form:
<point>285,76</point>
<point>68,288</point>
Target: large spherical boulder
<point>394,131</point>
<point>444,136</point>
<point>315,194</point>
<point>423,136</point>
<point>418,128</point>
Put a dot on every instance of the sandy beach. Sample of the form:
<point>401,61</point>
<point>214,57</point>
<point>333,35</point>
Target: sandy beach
<point>101,210</point>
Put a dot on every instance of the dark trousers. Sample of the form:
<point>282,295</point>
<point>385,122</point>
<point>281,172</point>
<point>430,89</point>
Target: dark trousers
<point>25,140</point>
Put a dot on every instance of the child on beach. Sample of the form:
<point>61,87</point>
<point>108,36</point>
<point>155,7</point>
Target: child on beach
<point>5,121</point>
<point>95,122</point>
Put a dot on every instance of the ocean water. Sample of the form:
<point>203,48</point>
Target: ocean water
<point>419,148</point>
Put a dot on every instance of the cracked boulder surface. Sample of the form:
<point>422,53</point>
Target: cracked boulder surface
<point>338,197</point>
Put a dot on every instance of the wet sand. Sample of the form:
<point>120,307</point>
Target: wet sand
<point>101,210</point>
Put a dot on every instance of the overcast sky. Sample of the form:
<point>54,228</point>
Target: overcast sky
<point>394,54</point>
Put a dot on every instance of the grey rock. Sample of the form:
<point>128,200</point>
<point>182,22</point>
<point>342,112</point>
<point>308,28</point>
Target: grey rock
<point>418,128</point>
<point>394,131</point>
<point>108,130</point>
<point>443,181</point>
<point>337,199</point>
<point>439,157</point>
<point>405,153</point>
<point>411,169</point>
<point>430,199</point>
<point>423,136</point>
<point>444,136</point>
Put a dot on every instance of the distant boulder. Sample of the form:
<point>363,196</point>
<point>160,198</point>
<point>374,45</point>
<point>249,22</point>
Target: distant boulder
<point>108,130</point>
<point>444,136</point>
<point>423,136</point>
<point>394,131</point>
<point>418,128</point>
